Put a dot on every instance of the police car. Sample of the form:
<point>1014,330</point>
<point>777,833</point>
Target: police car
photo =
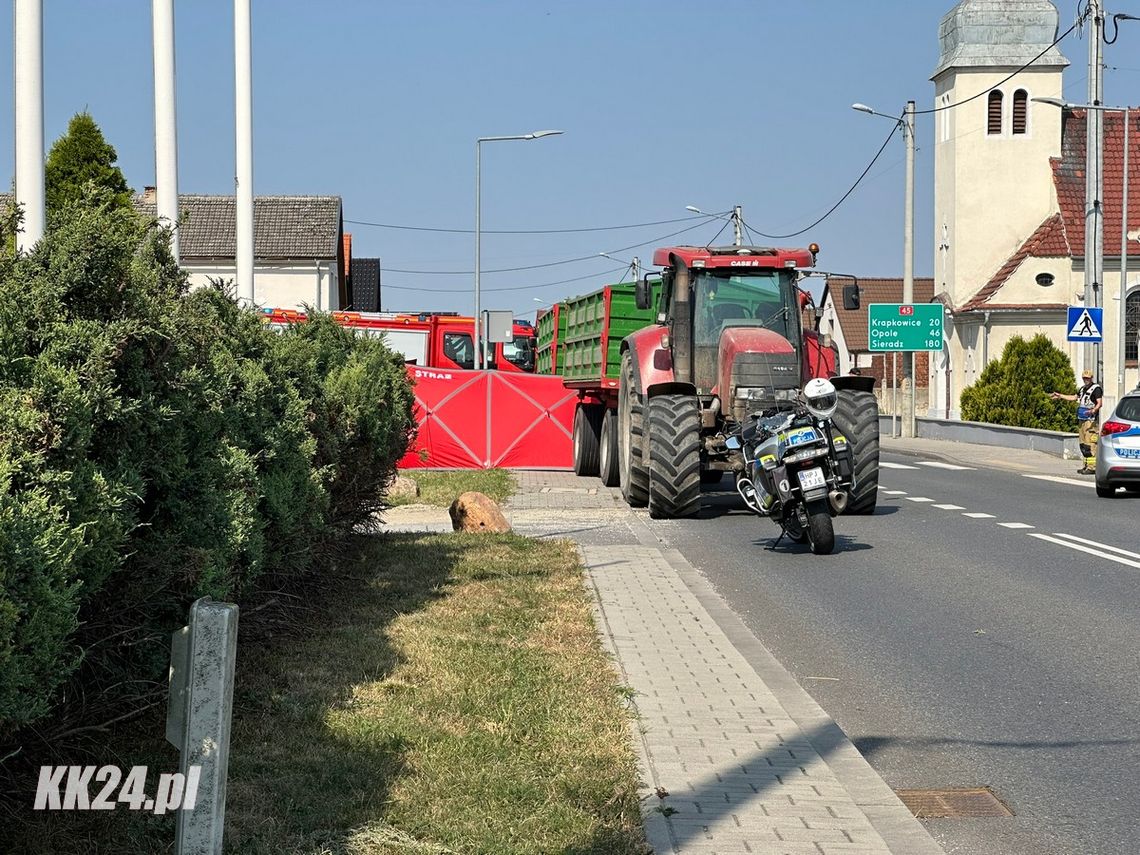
<point>1118,448</point>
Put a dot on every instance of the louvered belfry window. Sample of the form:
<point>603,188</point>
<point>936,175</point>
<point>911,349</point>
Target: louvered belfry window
<point>1020,106</point>
<point>993,119</point>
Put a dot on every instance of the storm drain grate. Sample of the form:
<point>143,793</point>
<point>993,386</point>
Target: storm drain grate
<point>953,802</point>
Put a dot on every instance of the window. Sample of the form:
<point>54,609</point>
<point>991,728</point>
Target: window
<point>945,118</point>
<point>1131,327</point>
<point>993,121</point>
<point>459,349</point>
<point>1020,111</point>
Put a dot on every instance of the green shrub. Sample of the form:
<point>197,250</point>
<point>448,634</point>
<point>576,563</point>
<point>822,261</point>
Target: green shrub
<point>158,445</point>
<point>1015,389</point>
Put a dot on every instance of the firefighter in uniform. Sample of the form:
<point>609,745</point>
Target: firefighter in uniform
<point>1088,398</point>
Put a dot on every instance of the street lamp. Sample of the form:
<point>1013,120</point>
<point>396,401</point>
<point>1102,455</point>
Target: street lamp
<point>906,122</point>
<point>480,344</point>
<point>1095,212</point>
<point>736,218</point>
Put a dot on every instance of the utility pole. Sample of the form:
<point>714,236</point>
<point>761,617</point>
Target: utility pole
<point>29,79</point>
<point>1122,328</point>
<point>908,267</point>
<point>165,122</point>
<point>636,265</point>
<point>1092,355</point>
<point>737,232</point>
<point>243,199</point>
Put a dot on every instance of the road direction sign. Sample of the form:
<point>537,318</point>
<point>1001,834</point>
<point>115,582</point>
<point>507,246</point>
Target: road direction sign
<point>1086,324</point>
<point>904,326</point>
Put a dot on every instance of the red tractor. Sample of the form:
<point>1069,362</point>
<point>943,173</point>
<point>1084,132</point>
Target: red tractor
<point>728,341</point>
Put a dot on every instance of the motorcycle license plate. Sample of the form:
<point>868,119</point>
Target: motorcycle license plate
<point>812,478</point>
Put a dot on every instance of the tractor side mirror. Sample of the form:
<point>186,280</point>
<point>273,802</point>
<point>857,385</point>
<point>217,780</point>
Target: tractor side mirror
<point>851,296</point>
<point>642,293</point>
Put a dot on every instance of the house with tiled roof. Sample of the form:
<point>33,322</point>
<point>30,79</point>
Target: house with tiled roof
<point>1009,195</point>
<point>299,246</point>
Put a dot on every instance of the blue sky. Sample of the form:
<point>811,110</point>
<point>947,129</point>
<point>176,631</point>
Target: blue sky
<point>380,102</point>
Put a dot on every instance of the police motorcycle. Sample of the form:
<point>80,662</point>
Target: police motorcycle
<point>798,468</point>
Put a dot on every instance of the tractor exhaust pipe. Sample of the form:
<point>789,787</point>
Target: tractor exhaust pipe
<point>838,499</point>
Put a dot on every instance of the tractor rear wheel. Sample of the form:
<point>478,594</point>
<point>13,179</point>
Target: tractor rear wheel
<point>674,456</point>
<point>632,471</point>
<point>857,418</point>
<point>587,434</point>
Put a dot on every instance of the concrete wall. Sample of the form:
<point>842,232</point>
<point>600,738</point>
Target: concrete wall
<point>282,285</point>
<point>977,433</point>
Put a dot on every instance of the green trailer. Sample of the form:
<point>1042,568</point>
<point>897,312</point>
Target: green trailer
<point>581,339</point>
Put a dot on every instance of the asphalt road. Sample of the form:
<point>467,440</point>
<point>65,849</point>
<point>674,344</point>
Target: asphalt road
<point>959,650</point>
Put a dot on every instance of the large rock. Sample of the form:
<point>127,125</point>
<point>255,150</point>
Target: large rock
<point>476,512</point>
<point>402,487</point>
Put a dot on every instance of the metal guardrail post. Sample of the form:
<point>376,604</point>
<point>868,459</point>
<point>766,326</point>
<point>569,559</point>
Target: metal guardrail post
<point>202,660</point>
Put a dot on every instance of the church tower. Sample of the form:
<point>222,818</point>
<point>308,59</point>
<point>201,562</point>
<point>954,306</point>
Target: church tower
<point>992,181</point>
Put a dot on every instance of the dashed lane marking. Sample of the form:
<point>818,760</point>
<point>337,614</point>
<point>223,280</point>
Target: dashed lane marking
<point>918,499</point>
<point>895,492</point>
<point>1015,525</point>
<point>978,516</point>
<point>1060,479</point>
<point>938,464</point>
<point>950,507</point>
<point>1089,550</point>
<point>886,464</point>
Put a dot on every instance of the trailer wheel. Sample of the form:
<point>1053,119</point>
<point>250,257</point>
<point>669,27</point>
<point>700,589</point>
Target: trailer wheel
<point>857,418</point>
<point>632,472</point>
<point>674,457</point>
<point>608,450</point>
<point>587,433</point>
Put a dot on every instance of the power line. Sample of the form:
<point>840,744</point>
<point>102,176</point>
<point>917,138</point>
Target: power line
<point>843,199</point>
<point>521,231</point>
<point>704,220</point>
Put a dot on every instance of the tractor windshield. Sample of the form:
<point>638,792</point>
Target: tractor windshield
<point>736,299</point>
<point>725,299</point>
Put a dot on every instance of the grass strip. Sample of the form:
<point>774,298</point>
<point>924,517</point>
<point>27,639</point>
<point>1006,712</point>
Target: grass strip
<point>442,694</point>
<point>442,487</point>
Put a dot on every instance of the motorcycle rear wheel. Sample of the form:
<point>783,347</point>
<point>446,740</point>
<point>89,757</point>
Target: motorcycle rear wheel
<point>820,531</point>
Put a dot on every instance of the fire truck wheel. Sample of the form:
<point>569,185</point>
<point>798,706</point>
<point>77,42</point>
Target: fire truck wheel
<point>608,451</point>
<point>857,418</point>
<point>587,433</point>
<point>674,457</point>
<point>632,471</point>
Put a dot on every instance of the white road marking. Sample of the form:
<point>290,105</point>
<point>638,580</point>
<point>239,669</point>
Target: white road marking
<point>1059,479</point>
<point>1015,525</point>
<point>918,499</point>
<point>950,507</point>
<point>895,492</point>
<point>886,464</point>
<point>1087,549</point>
<point>937,464</point>
<point>1098,545</point>
<point>977,516</point>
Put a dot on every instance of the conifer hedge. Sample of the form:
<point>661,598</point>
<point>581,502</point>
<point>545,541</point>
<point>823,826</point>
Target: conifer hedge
<point>157,445</point>
<point>1014,390</point>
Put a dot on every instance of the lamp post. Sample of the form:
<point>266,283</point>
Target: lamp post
<point>906,122</point>
<point>480,344</point>
<point>736,218</point>
<point>1095,213</point>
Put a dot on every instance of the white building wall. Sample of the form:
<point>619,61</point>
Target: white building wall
<point>279,285</point>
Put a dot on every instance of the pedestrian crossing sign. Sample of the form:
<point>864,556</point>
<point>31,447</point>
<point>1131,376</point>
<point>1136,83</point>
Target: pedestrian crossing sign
<point>1086,323</point>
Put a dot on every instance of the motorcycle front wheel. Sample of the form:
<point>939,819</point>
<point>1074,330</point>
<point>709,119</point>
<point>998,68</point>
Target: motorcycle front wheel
<point>820,532</point>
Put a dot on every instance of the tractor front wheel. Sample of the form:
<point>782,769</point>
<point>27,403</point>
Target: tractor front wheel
<point>674,456</point>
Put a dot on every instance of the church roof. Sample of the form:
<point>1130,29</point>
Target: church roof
<point>999,34</point>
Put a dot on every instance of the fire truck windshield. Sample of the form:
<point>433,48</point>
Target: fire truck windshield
<point>520,352</point>
<point>743,299</point>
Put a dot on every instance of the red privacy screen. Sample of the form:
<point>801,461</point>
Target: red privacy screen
<point>485,419</point>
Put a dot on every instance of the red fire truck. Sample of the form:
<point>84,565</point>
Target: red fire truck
<point>430,340</point>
